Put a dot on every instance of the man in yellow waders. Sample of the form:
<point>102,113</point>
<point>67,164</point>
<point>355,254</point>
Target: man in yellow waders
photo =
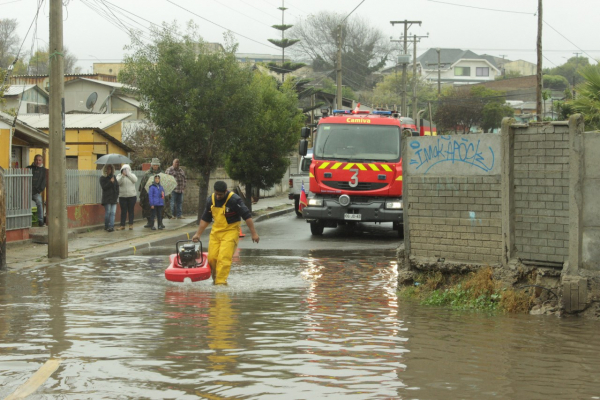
<point>226,209</point>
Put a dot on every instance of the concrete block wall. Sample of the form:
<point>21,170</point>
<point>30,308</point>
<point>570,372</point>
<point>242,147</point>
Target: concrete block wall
<point>541,192</point>
<point>457,218</point>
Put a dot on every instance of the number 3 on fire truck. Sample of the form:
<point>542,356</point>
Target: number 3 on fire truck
<point>354,179</point>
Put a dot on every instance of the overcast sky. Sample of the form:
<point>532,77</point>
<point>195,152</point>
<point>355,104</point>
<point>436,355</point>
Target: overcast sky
<point>507,27</point>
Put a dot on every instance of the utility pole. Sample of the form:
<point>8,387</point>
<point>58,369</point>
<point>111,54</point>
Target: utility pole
<point>439,51</point>
<point>415,80</point>
<point>57,183</point>
<point>339,69</point>
<point>407,24</point>
<point>538,99</point>
<point>575,71</point>
<point>503,72</point>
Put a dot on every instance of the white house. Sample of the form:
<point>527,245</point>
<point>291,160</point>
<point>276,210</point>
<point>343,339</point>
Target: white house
<point>457,66</point>
<point>26,99</point>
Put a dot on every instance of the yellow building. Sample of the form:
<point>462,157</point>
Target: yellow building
<point>16,142</point>
<point>88,137</point>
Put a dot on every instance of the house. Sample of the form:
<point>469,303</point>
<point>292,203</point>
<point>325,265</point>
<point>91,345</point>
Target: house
<point>522,67</point>
<point>88,136</point>
<point>26,99</point>
<point>15,142</point>
<point>457,66</point>
<point>102,96</point>
<point>255,57</point>
<point>43,81</point>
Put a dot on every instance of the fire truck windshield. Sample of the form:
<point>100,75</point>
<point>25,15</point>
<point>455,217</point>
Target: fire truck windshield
<point>358,142</point>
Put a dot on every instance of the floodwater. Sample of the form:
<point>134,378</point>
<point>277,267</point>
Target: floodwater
<point>293,325</point>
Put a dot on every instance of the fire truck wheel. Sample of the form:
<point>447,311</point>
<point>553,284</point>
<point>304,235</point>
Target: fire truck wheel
<point>296,205</point>
<point>316,228</point>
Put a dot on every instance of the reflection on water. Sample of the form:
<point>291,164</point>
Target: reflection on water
<point>289,325</point>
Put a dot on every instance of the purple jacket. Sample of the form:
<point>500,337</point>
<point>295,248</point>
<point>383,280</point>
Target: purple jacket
<point>155,195</point>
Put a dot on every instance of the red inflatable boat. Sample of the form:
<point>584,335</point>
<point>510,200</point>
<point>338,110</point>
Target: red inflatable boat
<point>190,263</point>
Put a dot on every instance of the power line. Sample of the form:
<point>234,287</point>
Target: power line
<point>220,26</point>
<point>482,8</point>
<point>568,40</point>
<point>352,11</point>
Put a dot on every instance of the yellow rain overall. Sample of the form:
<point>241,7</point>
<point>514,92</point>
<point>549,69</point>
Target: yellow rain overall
<point>224,239</point>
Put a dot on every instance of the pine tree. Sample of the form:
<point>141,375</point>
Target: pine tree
<point>283,43</point>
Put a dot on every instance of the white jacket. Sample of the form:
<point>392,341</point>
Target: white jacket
<point>127,182</point>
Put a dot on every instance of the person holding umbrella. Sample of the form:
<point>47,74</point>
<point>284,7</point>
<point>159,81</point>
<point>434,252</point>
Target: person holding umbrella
<point>110,195</point>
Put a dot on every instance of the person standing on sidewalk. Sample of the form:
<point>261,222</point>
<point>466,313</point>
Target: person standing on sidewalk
<point>110,196</point>
<point>156,197</point>
<point>127,195</point>
<point>226,209</point>
<point>177,194</point>
<point>146,210</point>
<point>38,184</point>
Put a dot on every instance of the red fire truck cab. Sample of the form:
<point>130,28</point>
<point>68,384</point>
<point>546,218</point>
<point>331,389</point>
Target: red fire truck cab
<point>356,172</point>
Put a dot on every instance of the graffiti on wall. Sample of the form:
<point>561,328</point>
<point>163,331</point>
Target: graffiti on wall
<point>453,150</point>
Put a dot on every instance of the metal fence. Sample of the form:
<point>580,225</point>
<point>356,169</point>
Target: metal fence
<point>17,184</point>
<point>83,187</point>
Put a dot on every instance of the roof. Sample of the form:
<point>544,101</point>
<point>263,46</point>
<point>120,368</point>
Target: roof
<point>131,101</point>
<point>14,90</point>
<point>450,57</point>
<point>25,131</point>
<point>76,121</point>
<point>117,85</point>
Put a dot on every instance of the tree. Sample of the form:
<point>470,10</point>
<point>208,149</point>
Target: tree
<point>146,143</point>
<point>8,41</point>
<point>39,63</point>
<point>365,49</point>
<point>259,158</point>
<point>493,113</point>
<point>387,91</point>
<point>197,98</point>
<point>330,87</point>
<point>463,109</point>
<point>570,70</point>
<point>283,43</point>
<point>587,101</point>
<point>556,82</point>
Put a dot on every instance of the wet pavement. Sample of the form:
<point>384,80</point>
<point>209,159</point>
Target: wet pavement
<point>298,324</point>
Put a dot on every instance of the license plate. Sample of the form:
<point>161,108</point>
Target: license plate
<point>354,217</point>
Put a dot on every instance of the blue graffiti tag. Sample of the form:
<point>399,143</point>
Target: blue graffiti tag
<point>450,149</point>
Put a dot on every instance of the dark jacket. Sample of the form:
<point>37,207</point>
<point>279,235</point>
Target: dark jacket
<point>110,190</point>
<point>38,182</point>
<point>156,195</point>
<point>235,209</point>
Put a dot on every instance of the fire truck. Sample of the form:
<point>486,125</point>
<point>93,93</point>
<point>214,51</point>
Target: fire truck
<point>356,172</point>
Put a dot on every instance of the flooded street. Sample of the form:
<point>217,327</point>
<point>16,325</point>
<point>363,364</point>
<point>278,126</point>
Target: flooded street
<point>291,324</point>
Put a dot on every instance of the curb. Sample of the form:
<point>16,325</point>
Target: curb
<point>134,250</point>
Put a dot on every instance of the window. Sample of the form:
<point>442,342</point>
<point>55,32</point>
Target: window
<point>462,71</point>
<point>483,71</point>
<point>358,142</point>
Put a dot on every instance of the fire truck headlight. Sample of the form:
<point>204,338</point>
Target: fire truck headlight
<point>315,202</point>
<point>394,205</point>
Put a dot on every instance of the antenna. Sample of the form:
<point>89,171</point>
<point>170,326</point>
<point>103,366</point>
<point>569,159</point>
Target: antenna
<point>91,101</point>
<point>104,105</point>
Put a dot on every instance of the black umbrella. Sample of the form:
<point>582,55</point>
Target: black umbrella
<point>113,159</point>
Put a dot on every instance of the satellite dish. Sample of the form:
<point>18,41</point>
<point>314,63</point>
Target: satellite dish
<point>91,101</point>
<point>104,106</point>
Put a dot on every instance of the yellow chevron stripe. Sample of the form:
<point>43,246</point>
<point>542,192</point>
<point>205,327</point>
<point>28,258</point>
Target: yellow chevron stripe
<point>374,167</point>
<point>310,175</point>
<point>361,167</point>
<point>336,165</point>
<point>324,165</point>
<point>386,167</point>
<point>349,165</point>
<point>399,178</point>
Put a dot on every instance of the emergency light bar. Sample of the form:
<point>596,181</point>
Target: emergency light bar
<point>377,112</point>
<point>342,112</point>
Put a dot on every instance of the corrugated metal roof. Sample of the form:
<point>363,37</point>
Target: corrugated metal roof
<point>111,84</point>
<point>14,90</point>
<point>131,101</point>
<point>76,121</point>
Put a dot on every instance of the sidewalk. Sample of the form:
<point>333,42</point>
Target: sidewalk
<point>94,242</point>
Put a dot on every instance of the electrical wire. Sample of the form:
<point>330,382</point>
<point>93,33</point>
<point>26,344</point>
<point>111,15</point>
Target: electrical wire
<point>568,40</point>
<point>482,8</point>
<point>352,11</point>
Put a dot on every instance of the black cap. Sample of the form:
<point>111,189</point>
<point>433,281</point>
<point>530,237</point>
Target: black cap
<point>220,186</point>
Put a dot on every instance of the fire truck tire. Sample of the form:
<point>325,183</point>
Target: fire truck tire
<point>296,205</point>
<point>316,228</point>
